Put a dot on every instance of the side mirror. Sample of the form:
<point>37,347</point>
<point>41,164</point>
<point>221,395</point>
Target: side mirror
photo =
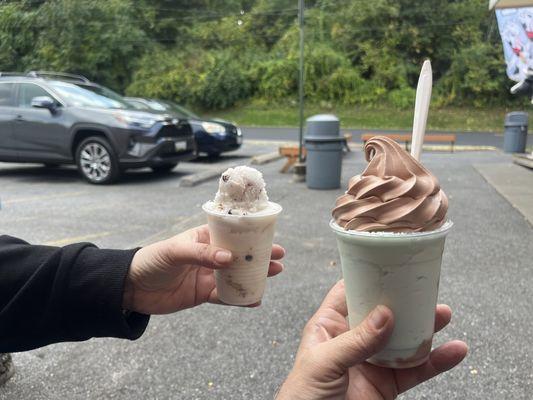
<point>44,102</point>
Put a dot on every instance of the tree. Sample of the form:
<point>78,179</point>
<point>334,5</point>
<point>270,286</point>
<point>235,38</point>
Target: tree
<point>98,38</point>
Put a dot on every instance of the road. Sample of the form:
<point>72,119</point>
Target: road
<point>216,352</point>
<point>464,138</point>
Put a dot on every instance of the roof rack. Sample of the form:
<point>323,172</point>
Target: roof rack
<point>42,74</point>
<point>12,74</point>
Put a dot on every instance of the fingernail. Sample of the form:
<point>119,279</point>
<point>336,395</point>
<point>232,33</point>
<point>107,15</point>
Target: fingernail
<point>378,317</point>
<point>222,256</point>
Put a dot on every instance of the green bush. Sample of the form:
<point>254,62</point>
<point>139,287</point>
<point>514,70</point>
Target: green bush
<point>223,85</point>
<point>476,76</point>
<point>206,80</point>
<point>403,97</point>
<point>275,78</point>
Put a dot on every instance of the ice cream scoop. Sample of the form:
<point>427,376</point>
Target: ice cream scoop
<point>395,193</point>
<point>241,191</point>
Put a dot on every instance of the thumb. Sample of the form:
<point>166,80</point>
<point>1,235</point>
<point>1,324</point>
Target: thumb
<point>201,254</point>
<point>363,341</point>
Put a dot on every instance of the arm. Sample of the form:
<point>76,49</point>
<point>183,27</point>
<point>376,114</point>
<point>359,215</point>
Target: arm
<point>51,294</point>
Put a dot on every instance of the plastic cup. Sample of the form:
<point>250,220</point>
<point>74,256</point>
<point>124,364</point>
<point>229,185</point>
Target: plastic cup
<point>400,271</point>
<point>249,238</point>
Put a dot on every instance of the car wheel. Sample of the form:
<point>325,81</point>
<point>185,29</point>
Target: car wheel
<point>97,161</point>
<point>162,168</point>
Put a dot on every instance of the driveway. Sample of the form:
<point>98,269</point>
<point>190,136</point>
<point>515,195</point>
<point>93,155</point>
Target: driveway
<point>216,352</point>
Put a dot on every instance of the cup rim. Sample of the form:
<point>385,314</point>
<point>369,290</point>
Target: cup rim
<point>442,230</point>
<point>264,213</point>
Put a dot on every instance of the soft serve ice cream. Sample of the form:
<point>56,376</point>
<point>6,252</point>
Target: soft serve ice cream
<point>242,220</point>
<point>390,227</point>
<point>395,193</point>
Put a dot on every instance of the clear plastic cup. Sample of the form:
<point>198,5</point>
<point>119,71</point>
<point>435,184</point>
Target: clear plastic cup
<point>249,238</point>
<point>400,271</point>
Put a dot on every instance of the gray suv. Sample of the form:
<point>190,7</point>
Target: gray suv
<point>56,118</point>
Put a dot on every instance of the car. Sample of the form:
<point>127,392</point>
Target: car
<point>213,136</point>
<point>59,118</point>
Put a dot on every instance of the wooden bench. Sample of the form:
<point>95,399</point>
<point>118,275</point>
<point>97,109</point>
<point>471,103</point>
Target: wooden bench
<point>400,137</point>
<point>291,152</point>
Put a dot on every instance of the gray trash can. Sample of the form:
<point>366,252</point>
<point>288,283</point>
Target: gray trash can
<point>324,152</point>
<point>515,134</point>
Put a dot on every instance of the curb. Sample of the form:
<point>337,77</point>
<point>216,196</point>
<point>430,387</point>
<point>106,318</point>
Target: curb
<point>195,179</point>
<point>524,160</point>
<point>266,158</point>
<point>271,142</point>
<point>6,368</point>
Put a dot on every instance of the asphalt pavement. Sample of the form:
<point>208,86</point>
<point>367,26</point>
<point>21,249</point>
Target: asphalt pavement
<point>463,138</point>
<point>216,352</point>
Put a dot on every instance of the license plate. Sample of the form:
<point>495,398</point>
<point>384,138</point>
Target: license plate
<point>180,146</point>
<point>239,139</point>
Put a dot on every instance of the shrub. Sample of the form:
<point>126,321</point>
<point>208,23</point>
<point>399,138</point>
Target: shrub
<point>403,97</point>
<point>207,80</point>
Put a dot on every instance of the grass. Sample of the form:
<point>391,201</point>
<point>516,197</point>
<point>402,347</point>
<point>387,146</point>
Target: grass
<point>451,119</point>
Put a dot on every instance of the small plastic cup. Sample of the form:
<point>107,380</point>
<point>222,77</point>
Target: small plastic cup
<point>249,238</point>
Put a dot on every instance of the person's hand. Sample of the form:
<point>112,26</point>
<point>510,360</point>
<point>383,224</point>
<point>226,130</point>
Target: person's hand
<point>177,273</point>
<point>330,363</point>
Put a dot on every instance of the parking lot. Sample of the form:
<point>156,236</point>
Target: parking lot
<point>233,353</point>
<point>56,206</point>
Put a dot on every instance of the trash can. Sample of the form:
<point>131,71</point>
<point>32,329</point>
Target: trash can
<point>515,134</point>
<point>324,144</point>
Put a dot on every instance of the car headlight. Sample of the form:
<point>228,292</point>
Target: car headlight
<point>135,121</point>
<point>211,127</point>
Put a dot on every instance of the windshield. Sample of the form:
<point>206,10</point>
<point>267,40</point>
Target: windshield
<point>178,109</point>
<point>169,106</point>
<point>79,95</point>
<point>138,105</point>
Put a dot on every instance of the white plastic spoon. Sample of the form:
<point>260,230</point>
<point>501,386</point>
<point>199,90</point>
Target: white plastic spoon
<point>423,96</point>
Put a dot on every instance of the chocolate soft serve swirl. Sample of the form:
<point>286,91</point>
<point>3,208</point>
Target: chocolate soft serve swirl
<point>395,193</point>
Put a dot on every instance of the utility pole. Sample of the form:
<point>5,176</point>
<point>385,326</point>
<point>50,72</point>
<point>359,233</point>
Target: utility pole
<point>301,8</point>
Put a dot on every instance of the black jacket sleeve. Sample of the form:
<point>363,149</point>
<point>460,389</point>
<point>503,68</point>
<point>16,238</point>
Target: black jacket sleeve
<point>52,294</point>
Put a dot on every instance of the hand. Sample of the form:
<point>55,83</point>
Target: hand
<point>177,273</point>
<point>330,363</point>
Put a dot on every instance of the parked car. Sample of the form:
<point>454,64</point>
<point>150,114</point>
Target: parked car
<point>213,136</point>
<point>57,118</point>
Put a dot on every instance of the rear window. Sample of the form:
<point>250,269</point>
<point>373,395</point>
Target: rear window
<point>5,94</point>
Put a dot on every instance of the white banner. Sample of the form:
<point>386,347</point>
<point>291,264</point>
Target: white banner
<point>516,30</point>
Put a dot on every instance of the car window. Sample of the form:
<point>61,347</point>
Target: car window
<point>156,106</point>
<point>138,105</point>
<point>180,109</point>
<point>79,95</point>
<point>27,91</point>
<point>5,94</point>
